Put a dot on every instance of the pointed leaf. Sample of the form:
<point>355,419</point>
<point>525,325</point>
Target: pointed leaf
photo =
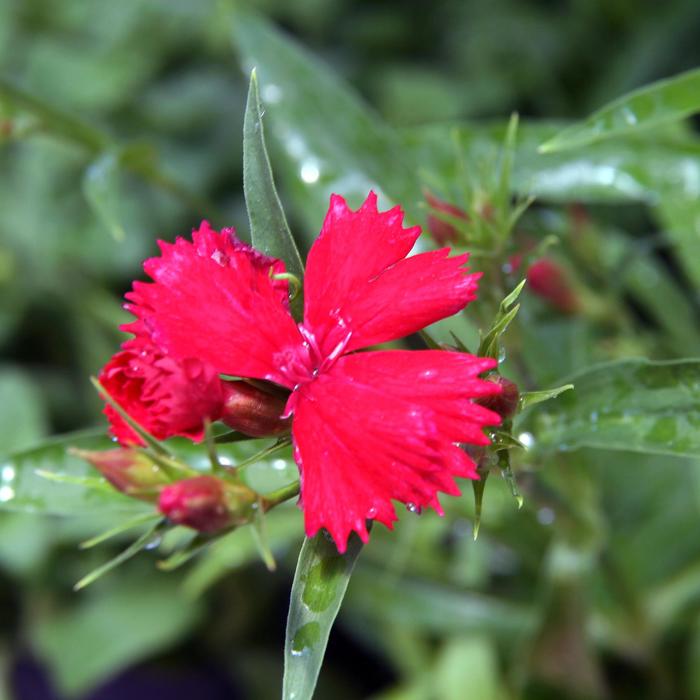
<point>530,398</point>
<point>268,225</point>
<point>489,346</point>
<point>656,104</point>
<point>319,586</point>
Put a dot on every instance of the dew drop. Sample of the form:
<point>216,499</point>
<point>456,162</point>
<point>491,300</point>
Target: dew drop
<point>413,508</point>
<point>527,439</point>
<point>153,544</point>
<point>309,172</point>
<point>545,516</point>
<point>371,513</point>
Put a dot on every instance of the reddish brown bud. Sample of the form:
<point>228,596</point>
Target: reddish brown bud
<point>550,282</point>
<point>505,403</point>
<point>128,470</point>
<point>254,412</point>
<point>206,503</point>
<point>442,231</point>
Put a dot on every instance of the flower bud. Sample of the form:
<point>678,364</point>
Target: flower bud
<point>506,402</point>
<point>129,470</point>
<point>252,411</point>
<point>442,231</point>
<point>550,282</point>
<point>206,503</point>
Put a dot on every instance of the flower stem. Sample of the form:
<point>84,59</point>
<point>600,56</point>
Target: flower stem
<point>281,495</point>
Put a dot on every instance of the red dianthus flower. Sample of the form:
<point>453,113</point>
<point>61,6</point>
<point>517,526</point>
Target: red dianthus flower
<point>368,427</point>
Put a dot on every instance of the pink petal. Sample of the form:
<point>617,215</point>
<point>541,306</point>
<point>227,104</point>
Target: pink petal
<point>358,278</point>
<point>214,299</point>
<point>382,426</point>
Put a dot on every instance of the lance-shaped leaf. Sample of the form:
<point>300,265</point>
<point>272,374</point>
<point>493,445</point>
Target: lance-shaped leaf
<point>530,398</point>
<point>633,405</point>
<point>268,225</point>
<point>320,582</point>
<point>489,346</point>
<point>656,104</point>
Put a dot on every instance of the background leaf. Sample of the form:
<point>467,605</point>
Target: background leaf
<point>653,105</point>
<point>637,405</point>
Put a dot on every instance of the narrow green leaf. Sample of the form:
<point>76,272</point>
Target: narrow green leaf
<point>320,582</point>
<point>632,405</point>
<point>653,105</point>
<point>429,341</point>
<point>268,225</point>
<point>101,189</point>
<point>530,398</point>
<point>119,529</point>
<point>143,542</point>
<point>490,346</point>
<point>154,444</point>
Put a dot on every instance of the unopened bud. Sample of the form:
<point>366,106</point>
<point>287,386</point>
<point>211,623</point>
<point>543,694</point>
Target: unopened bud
<point>505,403</point>
<point>550,282</point>
<point>129,470</point>
<point>442,231</point>
<point>254,412</point>
<point>206,503</point>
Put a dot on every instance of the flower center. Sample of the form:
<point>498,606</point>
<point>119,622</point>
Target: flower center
<point>306,361</point>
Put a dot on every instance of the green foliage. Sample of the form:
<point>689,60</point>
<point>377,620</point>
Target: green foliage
<point>321,578</point>
<point>633,405</point>
<point>126,118</point>
<point>664,102</point>
<point>269,230</point>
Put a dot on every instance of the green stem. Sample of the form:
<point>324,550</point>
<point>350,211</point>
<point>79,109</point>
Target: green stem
<point>280,444</point>
<point>281,495</point>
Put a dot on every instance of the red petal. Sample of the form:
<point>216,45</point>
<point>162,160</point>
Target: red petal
<point>357,278</point>
<point>164,396</point>
<point>382,426</point>
<point>214,299</point>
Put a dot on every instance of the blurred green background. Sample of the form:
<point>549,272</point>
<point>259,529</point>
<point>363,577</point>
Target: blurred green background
<point>121,122</point>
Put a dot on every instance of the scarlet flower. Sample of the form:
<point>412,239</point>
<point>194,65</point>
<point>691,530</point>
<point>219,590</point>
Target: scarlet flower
<point>169,395</point>
<point>368,427</point>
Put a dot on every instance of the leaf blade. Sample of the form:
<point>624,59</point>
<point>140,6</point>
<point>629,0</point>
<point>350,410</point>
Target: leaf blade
<point>268,225</point>
<point>320,582</point>
<point>661,102</point>
<point>633,405</point>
